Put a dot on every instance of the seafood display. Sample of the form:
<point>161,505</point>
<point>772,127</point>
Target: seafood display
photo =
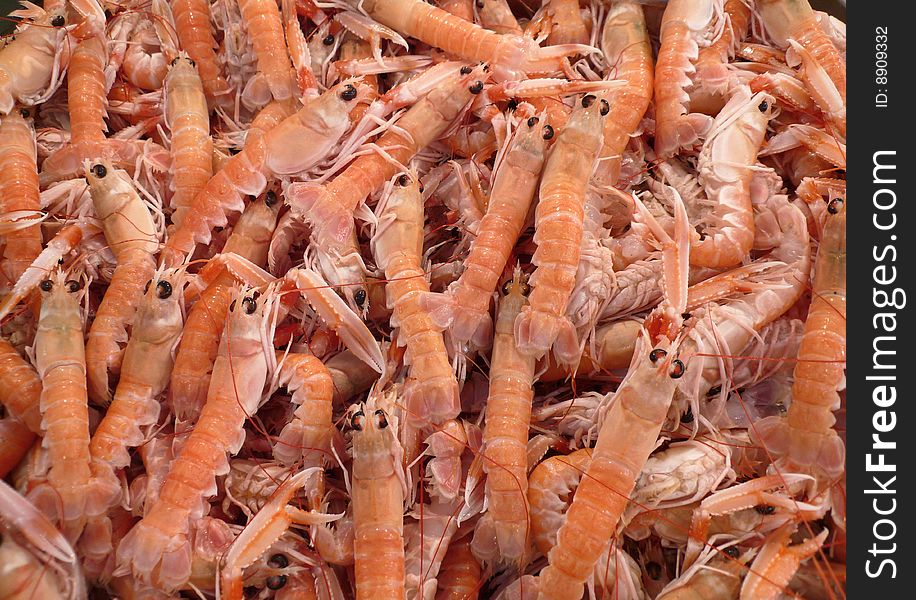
<point>387,299</point>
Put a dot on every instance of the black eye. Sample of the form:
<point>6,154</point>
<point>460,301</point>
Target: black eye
<point>476,88</point>
<point>732,552</point>
<point>763,106</point>
<point>163,289</point>
<point>765,509</point>
<point>146,287</point>
<point>348,93</point>
<point>588,100</point>
<point>687,417</point>
<point>507,287</point>
<point>46,285</point>
<point>466,70</point>
<point>835,206</point>
<point>605,108</point>
<point>480,5</point>
<point>270,199</point>
<point>328,39</point>
<point>25,114</point>
<point>677,370</point>
<point>250,305</point>
<point>175,60</point>
<point>356,421</point>
<point>360,298</point>
<point>381,419</point>
<point>99,171</point>
<point>73,285</point>
<point>58,21</point>
<point>276,582</point>
<point>532,121</point>
<point>548,132</point>
<point>657,354</point>
<point>404,180</point>
<point>278,561</point>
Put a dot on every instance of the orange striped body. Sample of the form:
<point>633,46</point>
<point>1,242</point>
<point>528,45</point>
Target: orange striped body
<point>239,374</point>
<point>510,199</point>
<point>625,42</point>
<point>398,247</point>
<point>426,353</point>
<point>192,147</point>
<point>814,445</point>
<point>548,483</point>
<point>807,33</point>
<point>61,364</point>
<point>308,436</point>
<point>294,145</point>
<point>192,24</point>
<point>505,434</point>
<point>18,192</point>
<point>671,78</point>
<point>222,194</point>
<point>20,387</point>
<point>559,222</point>
<point>144,374</point>
<point>265,30</point>
<point>199,344</point>
<point>626,438</point>
<point>460,576</point>
<point>198,349</point>
<point>86,90</point>
<point>108,333</point>
<point>377,499</point>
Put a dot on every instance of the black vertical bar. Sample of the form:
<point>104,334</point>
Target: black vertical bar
<point>879,517</point>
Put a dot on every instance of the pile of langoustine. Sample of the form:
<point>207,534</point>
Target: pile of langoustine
<point>384,299</point>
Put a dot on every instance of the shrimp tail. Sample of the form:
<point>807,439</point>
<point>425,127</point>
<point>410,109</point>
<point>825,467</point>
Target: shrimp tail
<point>537,330</point>
<point>463,322</point>
<point>829,455</point>
<point>442,309</point>
<point>446,446</point>
<point>307,200</point>
<point>154,554</point>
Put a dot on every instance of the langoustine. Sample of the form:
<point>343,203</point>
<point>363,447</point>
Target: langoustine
<point>333,120</point>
